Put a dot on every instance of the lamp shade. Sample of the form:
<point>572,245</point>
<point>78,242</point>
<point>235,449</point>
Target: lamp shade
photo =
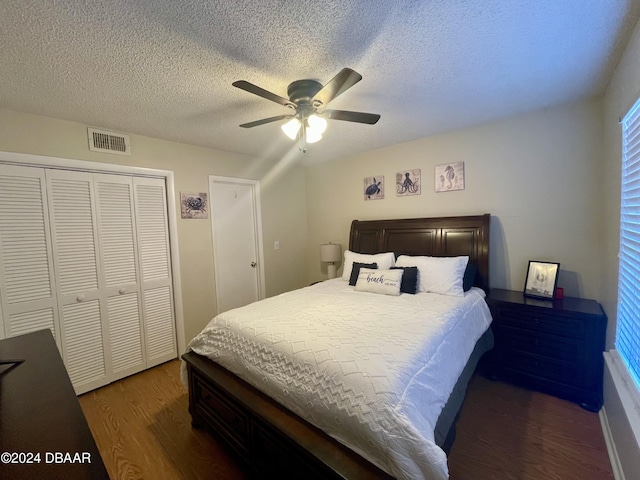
<point>330,252</point>
<point>291,128</point>
<point>312,128</point>
<point>317,124</point>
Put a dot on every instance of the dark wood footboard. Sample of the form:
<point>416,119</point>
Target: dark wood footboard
<point>270,439</point>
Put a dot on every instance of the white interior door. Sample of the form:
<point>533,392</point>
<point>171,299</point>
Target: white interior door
<point>237,241</point>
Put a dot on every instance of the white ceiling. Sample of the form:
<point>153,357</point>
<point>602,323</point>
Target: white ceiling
<point>164,68</point>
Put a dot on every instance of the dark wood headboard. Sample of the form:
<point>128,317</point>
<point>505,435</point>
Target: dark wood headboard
<point>437,237</point>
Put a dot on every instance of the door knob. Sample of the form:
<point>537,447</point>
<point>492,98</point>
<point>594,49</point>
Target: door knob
<point>253,264</point>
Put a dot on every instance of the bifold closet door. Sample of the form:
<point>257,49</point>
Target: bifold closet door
<point>133,304</point>
<point>120,273</point>
<point>87,255</point>
<point>155,261</point>
<point>27,288</point>
<point>82,304</point>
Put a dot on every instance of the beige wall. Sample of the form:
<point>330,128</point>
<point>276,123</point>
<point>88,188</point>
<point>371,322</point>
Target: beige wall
<point>283,201</point>
<point>537,174</point>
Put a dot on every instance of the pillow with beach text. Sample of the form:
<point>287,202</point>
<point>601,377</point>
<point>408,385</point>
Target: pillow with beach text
<point>386,282</point>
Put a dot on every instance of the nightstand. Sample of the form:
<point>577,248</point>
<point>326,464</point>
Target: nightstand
<point>552,346</point>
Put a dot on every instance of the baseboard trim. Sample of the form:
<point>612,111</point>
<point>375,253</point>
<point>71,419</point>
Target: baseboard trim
<point>616,466</point>
<point>622,413</point>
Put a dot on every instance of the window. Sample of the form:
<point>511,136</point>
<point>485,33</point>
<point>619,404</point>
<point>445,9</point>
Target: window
<point>628,326</point>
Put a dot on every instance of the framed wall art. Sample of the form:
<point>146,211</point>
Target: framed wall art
<point>408,182</point>
<point>194,205</point>
<point>449,177</point>
<point>542,279</point>
<point>374,188</point>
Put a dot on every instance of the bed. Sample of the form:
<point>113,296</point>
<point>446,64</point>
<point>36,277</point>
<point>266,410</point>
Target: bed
<point>297,405</point>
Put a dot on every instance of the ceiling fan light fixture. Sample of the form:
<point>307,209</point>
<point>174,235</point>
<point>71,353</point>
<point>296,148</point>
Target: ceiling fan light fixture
<point>313,136</point>
<point>314,128</point>
<point>305,97</point>
<point>317,124</point>
<point>291,128</point>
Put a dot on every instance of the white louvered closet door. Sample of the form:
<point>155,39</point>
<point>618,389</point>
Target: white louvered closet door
<point>27,288</point>
<point>120,281</point>
<point>157,286</point>
<point>75,247</point>
<point>87,255</point>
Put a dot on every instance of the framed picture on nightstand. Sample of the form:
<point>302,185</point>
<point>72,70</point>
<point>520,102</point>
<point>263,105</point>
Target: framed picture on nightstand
<point>542,278</point>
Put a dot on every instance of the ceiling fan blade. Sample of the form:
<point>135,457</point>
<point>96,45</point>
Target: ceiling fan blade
<point>261,92</point>
<point>359,117</point>
<point>265,120</point>
<point>344,80</point>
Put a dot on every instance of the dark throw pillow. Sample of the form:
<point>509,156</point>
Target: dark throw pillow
<point>409,280</point>
<point>469,276</point>
<point>355,271</point>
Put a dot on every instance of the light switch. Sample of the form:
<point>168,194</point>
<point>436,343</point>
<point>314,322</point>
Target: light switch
<point>276,245</point>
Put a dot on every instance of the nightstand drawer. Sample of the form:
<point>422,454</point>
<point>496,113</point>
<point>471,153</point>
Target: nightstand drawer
<point>540,322</point>
<point>536,343</point>
<point>555,370</point>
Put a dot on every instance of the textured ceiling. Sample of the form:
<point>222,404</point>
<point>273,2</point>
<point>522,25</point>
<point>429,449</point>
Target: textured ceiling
<point>164,68</point>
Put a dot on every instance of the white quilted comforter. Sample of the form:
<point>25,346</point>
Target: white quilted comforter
<point>371,370</point>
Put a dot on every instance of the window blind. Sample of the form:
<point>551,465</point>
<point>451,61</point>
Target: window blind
<point>628,324</point>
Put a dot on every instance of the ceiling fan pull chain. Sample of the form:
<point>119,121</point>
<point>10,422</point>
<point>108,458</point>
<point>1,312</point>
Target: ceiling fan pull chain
<point>302,137</point>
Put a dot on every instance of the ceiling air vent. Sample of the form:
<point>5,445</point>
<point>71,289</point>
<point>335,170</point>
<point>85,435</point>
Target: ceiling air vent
<point>109,142</point>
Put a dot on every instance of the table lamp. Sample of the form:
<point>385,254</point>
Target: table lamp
<point>331,253</point>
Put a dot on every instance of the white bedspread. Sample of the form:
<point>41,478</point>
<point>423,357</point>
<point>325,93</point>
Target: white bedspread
<point>371,370</point>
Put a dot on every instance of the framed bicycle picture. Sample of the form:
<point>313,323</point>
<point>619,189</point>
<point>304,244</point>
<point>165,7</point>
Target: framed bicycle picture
<point>542,279</point>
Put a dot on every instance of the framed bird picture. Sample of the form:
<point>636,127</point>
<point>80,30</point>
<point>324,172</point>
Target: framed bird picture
<point>374,188</point>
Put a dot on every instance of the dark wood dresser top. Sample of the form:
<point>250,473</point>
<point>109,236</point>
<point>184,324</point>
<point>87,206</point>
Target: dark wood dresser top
<point>41,420</point>
<point>567,304</point>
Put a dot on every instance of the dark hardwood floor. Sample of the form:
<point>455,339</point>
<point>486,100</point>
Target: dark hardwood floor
<point>143,430</point>
<point>510,433</point>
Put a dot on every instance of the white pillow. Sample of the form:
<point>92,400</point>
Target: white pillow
<point>386,282</point>
<point>441,275</point>
<point>384,261</point>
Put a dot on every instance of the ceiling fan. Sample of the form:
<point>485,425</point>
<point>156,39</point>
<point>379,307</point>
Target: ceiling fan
<point>308,99</point>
